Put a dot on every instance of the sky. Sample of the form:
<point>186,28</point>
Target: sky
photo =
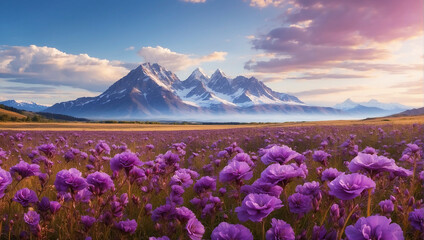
<point>322,51</point>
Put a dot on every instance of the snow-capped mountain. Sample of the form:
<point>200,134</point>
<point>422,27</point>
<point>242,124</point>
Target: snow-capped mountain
<point>152,91</point>
<point>22,105</point>
<point>371,108</point>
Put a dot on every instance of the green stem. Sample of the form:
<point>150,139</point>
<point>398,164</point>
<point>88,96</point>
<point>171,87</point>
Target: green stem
<point>347,220</point>
<point>263,229</point>
<point>325,215</point>
<point>369,202</point>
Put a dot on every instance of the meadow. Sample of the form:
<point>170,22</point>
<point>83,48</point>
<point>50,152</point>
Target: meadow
<point>344,180</point>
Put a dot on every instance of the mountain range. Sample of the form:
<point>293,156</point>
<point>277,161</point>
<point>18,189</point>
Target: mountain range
<point>372,108</point>
<point>27,106</point>
<point>151,91</point>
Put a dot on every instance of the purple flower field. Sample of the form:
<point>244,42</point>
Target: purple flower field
<point>320,182</point>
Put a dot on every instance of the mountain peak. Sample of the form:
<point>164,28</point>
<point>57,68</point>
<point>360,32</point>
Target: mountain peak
<point>198,74</point>
<point>218,73</point>
<point>348,101</point>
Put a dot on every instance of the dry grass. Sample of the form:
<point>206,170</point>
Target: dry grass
<point>11,114</point>
<point>77,126</point>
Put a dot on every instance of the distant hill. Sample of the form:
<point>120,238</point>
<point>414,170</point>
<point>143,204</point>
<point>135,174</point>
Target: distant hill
<point>12,114</point>
<point>372,108</point>
<point>411,112</point>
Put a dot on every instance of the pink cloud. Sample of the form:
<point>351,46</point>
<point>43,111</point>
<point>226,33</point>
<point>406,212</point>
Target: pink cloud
<point>320,33</point>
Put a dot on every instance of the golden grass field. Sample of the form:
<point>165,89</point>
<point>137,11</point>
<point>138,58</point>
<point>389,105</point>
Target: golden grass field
<point>11,114</point>
<point>78,126</point>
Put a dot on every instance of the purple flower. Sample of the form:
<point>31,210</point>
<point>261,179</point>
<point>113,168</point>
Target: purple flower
<point>44,204</point>
<point>276,173</point>
<point>165,212</point>
<point>374,227</point>
<point>235,171</point>
<point>372,164</point>
<point>387,206</point>
<point>369,150</point>
<point>330,174</point>
<point>321,157</point>
<point>137,175</point>
<point>32,218</point>
<point>87,221</point>
<point>416,218</point>
<point>259,186</point>
<point>280,230</point>
<point>278,154</point>
<point>54,206</point>
<point>299,203</point>
<point>127,226</point>
<point>25,169</point>
<point>184,177</point>
<point>25,196</point>
<point>205,184</point>
<point>69,180</point>
<point>256,207</point>
<point>159,238</point>
<point>5,180</point>
<point>99,183</point>
<point>102,147</point>
<point>243,157</point>
<point>125,160</point>
<point>226,231</point>
<point>349,186</point>
<point>195,229</point>
<point>309,188</point>
<point>184,214</point>
<point>48,149</point>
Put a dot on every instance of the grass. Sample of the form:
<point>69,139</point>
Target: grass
<point>83,126</point>
<point>11,114</point>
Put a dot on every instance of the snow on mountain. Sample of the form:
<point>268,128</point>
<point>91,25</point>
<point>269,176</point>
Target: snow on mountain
<point>151,90</point>
<point>349,104</point>
<point>23,105</point>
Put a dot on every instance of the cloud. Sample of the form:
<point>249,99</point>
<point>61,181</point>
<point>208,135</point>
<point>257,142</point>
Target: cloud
<point>177,61</point>
<point>326,91</point>
<point>318,76</point>
<point>194,1</point>
<point>326,33</point>
<point>46,65</point>
<point>265,3</point>
<point>130,48</point>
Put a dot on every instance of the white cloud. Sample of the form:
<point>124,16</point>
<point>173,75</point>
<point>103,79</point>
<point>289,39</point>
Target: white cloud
<point>130,48</point>
<point>176,61</point>
<point>46,65</point>
<point>194,1</point>
<point>265,3</point>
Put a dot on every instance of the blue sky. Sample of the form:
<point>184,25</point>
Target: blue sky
<point>68,49</point>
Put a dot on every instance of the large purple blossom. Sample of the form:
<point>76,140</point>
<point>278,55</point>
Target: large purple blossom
<point>32,218</point>
<point>69,180</point>
<point>125,160</point>
<point>25,197</point>
<point>278,154</point>
<point>374,227</point>
<point>280,230</point>
<point>259,186</point>
<point>416,218</point>
<point>321,157</point>
<point>349,186</point>
<point>256,207</point>
<point>226,231</point>
<point>127,226</point>
<point>102,147</point>
<point>5,181</point>
<point>48,149</point>
<point>276,173</point>
<point>25,169</point>
<point>236,171</point>
<point>184,177</point>
<point>195,229</point>
<point>299,203</point>
<point>99,183</point>
<point>243,157</point>
<point>330,174</point>
<point>372,164</point>
<point>205,184</point>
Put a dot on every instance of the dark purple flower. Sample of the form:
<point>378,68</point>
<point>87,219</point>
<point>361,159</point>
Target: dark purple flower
<point>278,154</point>
<point>54,206</point>
<point>280,230</point>
<point>184,177</point>
<point>44,204</point>
<point>5,180</point>
<point>205,184</point>
<point>195,229</point>
<point>48,149</point>
<point>369,150</point>
<point>416,218</point>
<point>84,196</point>
<point>184,214</point>
<point>243,157</point>
<point>137,175</point>
<point>102,147</point>
<point>256,207</point>
<point>387,206</point>
<point>374,227</point>
<point>235,171</point>
<point>321,157</point>
<point>276,173</point>
<point>349,186</point>
<point>87,221</point>
<point>165,212</point>
<point>127,226</point>
<point>330,174</point>
<point>99,183</point>
<point>69,180</point>
<point>259,186</point>
<point>125,160</point>
<point>309,188</point>
<point>25,169</point>
<point>226,231</point>
<point>299,203</point>
<point>25,196</point>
